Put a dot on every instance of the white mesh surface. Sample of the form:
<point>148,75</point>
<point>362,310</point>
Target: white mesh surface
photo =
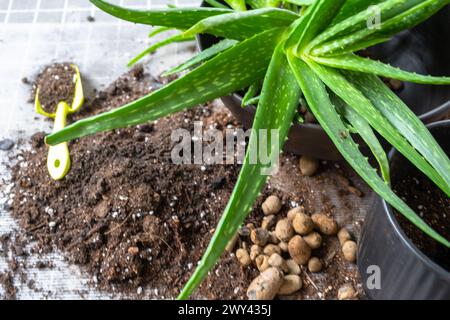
<point>34,33</point>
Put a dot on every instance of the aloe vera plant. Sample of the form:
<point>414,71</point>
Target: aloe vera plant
<point>291,50</point>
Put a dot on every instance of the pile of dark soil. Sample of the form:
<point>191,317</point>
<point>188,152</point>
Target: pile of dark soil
<point>55,83</point>
<point>432,205</point>
<point>125,211</point>
<point>137,222</point>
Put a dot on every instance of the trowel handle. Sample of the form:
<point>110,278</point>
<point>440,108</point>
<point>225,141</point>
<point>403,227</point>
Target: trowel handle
<point>58,160</point>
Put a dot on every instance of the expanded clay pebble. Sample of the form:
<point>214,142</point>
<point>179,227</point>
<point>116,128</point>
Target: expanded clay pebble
<point>349,250</point>
<point>259,236</point>
<point>283,246</point>
<point>275,260</point>
<point>346,292</point>
<point>302,224</point>
<point>325,224</point>
<point>308,166</point>
<point>243,257</point>
<point>268,222</point>
<point>343,236</point>
<point>255,251</point>
<point>270,249</point>
<point>314,240</point>
<point>292,283</point>
<point>291,213</point>
<point>273,238</point>
<point>284,230</point>
<point>293,267</point>
<point>266,285</point>
<point>314,265</point>
<point>271,205</point>
<point>299,250</point>
<point>262,262</point>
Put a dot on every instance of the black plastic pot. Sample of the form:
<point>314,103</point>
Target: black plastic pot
<point>424,49</point>
<point>405,272</point>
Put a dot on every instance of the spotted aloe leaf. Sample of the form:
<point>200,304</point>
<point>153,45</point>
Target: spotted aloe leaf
<point>319,102</point>
<point>276,109</point>
<point>393,20</point>
<point>241,25</point>
<point>232,70</point>
<point>356,63</point>
<point>354,23</point>
<point>404,121</point>
<point>354,98</point>
<point>316,18</point>
<point>202,56</point>
<point>177,18</point>
<point>363,129</point>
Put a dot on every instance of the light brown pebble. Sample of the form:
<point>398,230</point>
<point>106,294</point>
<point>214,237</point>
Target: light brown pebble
<point>325,224</point>
<point>283,246</point>
<point>314,265</point>
<point>243,257</point>
<point>293,267</point>
<point>299,250</point>
<point>302,224</point>
<point>266,285</point>
<point>292,283</point>
<point>255,251</point>
<point>270,249</point>
<point>272,205</point>
<point>343,236</point>
<point>275,260</point>
<point>262,262</point>
<point>273,238</point>
<point>314,240</point>
<point>284,230</point>
<point>291,213</point>
<point>349,250</point>
<point>268,222</point>
<point>260,236</point>
<point>346,292</point>
<point>308,166</point>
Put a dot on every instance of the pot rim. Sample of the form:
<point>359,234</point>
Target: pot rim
<point>399,231</point>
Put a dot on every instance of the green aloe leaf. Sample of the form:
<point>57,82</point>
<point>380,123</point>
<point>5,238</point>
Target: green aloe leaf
<point>356,63</point>
<point>232,70</point>
<point>353,7</point>
<point>173,17</point>
<point>242,25</point>
<point>277,107</point>
<point>387,9</point>
<point>202,56</point>
<point>237,4</point>
<point>216,4</point>
<point>362,127</point>
<point>404,121</point>
<point>389,27</point>
<point>316,18</point>
<point>320,104</point>
<point>251,93</point>
<point>158,45</point>
<point>354,98</point>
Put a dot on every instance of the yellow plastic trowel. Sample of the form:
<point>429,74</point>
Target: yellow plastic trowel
<point>58,159</point>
